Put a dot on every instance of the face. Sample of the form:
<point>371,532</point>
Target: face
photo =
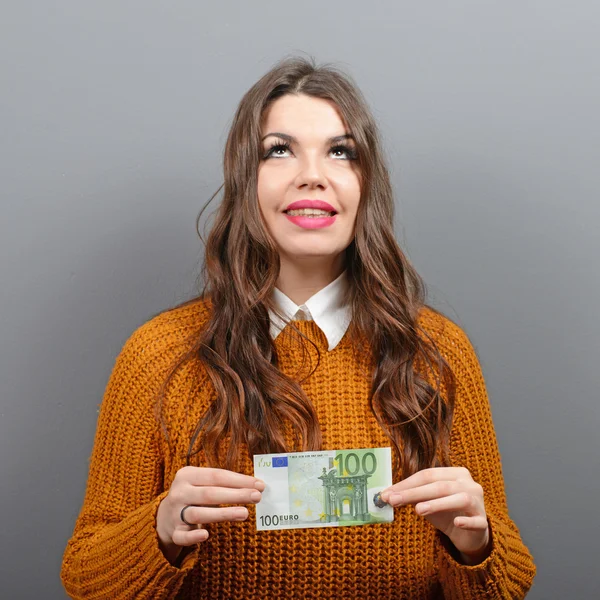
<point>301,162</point>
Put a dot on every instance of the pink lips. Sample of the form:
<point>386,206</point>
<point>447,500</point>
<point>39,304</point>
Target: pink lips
<point>311,222</point>
<point>311,204</point>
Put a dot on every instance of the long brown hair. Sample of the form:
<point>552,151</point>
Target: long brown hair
<point>255,402</point>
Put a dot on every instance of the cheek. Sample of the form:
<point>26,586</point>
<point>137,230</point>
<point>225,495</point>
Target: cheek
<point>269,185</point>
<point>348,188</point>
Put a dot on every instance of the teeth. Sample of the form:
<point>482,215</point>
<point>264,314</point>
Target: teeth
<point>309,212</point>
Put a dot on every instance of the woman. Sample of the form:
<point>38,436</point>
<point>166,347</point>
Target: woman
<point>311,332</point>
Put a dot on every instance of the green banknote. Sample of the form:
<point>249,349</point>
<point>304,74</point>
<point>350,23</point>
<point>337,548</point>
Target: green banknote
<point>328,488</point>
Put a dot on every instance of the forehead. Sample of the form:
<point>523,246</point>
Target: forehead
<point>301,114</point>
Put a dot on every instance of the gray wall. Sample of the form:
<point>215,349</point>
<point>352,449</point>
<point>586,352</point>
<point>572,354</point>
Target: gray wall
<point>113,118</point>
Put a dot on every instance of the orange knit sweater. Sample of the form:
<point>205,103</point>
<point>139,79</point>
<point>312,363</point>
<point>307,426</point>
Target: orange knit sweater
<point>114,551</point>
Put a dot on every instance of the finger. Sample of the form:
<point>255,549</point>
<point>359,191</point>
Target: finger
<point>221,495</point>
<point>189,537</point>
<point>201,515</point>
<point>477,523</point>
<point>426,476</point>
<point>431,491</point>
<point>462,502</point>
<point>221,478</point>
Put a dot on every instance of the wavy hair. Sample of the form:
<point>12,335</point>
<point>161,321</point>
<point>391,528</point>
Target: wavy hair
<point>255,402</point>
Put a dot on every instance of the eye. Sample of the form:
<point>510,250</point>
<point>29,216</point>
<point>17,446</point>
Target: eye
<point>275,148</point>
<point>351,153</point>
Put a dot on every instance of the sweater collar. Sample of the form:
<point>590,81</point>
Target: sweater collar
<point>328,308</point>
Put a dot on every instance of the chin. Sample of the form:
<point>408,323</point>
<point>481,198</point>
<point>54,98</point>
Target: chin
<point>313,250</point>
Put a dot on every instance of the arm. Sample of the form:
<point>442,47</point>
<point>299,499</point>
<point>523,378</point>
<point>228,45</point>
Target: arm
<point>505,569</point>
<point>114,551</point>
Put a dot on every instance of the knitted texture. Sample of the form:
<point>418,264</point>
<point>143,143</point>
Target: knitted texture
<point>114,552</point>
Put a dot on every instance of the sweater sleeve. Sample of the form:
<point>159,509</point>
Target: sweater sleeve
<point>509,570</point>
<point>114,550</point>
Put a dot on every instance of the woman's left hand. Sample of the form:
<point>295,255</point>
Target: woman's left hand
<point>452,502</point>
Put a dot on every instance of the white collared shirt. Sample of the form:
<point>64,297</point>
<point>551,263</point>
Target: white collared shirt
<point>328,308</point>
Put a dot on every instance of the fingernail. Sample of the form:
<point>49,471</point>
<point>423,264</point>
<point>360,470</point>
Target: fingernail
<point>260,485</point>
<point>241,515</point>
<point>255,496</point>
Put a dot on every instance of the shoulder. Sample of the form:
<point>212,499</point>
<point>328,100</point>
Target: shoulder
<point>144,360</point>
<point>450,338</point>
<point>165,335</point>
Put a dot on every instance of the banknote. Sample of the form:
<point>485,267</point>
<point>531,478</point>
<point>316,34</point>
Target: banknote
<point>328,488</point>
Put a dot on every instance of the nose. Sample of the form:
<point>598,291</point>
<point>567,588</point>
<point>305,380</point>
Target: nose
<point>311,173</point>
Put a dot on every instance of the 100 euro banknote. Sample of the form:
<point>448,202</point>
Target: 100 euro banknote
<point>327,488</point>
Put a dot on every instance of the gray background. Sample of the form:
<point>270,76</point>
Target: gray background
<point>113,119</point>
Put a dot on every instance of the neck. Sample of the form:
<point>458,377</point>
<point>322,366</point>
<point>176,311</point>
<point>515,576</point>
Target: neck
<point>299,280</point>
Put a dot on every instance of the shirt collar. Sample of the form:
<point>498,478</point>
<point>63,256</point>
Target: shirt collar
<point>328,308</point>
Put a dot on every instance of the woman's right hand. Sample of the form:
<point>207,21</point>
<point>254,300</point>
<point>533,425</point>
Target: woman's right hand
<point>202,488</point>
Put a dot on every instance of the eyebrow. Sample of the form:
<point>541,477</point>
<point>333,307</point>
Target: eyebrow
<point>292,139</point>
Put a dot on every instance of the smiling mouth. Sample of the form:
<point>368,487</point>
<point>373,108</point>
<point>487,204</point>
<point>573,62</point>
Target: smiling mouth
<point>325,214</point>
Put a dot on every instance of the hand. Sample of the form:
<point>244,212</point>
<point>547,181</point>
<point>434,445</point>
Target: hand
<point>202,488</point>
<point>456,507</point>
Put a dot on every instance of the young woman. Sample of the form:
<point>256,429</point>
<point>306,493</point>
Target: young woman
<point>311,332</point>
